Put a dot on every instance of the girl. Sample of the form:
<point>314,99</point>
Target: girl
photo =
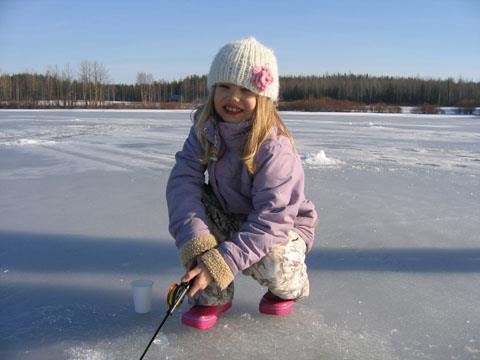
<point>252,214</point>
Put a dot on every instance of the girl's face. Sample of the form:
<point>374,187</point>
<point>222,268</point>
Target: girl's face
<point>234,103</point>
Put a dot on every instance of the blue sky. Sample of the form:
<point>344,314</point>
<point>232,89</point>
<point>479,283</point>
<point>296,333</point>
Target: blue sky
<point>173,39</point>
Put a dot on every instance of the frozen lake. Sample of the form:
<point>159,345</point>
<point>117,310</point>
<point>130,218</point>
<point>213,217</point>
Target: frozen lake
<point>395,270</point>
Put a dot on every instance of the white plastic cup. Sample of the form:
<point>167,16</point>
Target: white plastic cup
<point>142,295</point>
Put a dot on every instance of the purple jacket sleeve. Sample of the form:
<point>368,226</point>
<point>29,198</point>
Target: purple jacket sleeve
<point>277,193</point>
<point>187,217</point>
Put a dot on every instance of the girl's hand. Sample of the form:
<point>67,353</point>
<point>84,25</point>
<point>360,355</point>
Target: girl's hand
<point>202,279</point>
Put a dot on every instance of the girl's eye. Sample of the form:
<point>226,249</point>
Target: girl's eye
<point>223,86</point>
<point>246,91</point>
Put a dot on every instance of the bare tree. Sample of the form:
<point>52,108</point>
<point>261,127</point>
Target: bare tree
<point>100,79</point>
<point>85,78</point>
<point>5,87</point>
<point>67,84</point>
<point>145,82</point>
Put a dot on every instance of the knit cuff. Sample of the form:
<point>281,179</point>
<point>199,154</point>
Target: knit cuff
<point>218,268</point>
<point>194,248</point>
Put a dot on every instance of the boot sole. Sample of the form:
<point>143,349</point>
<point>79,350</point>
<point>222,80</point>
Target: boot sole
<point>278,309</point>
<point>204,322</point>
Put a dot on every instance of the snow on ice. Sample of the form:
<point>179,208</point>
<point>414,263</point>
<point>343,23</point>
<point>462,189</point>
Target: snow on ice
<point>320,159</point>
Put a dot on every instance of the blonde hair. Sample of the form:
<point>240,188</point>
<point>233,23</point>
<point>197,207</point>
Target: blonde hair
<point>265,119</point>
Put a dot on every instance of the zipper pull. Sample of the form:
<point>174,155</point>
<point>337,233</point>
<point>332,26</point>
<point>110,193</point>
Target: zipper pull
<point>213,154</point>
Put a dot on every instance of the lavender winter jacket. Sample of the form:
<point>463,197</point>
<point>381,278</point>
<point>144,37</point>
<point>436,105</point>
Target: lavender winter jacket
<point>272,200</point>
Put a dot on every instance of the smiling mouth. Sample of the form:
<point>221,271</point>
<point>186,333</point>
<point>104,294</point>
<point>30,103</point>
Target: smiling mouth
<point>232,110</point>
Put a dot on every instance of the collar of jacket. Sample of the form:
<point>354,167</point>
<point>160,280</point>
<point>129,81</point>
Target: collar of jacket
<point>232,135</point>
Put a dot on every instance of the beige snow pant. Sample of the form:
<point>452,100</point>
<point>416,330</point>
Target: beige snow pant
<point>282,270</point>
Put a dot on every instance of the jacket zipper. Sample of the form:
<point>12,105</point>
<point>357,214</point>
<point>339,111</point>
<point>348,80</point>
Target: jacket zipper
<point>221,152</point>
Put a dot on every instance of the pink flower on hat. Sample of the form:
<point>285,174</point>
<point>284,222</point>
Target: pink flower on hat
<point>261,77</point>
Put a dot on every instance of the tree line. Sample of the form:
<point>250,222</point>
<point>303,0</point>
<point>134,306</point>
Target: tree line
<point>91,86</point>
<point>409,91</point>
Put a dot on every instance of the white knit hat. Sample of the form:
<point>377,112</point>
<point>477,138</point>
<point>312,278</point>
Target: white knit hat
<point>246,63</point>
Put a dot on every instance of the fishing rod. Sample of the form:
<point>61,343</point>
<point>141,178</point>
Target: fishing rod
<point>176,294</point>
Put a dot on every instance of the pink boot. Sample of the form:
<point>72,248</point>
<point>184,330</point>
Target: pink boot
<point>273,305</point>
<point>204,317</point>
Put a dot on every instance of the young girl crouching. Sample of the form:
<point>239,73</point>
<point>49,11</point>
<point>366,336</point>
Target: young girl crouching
<point>236,193</point>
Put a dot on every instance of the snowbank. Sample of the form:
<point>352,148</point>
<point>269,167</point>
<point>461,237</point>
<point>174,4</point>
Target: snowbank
<point>319,159</point>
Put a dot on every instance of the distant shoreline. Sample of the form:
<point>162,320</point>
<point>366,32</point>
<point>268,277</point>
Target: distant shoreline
<point>404,110</point>
<point>329,92</point>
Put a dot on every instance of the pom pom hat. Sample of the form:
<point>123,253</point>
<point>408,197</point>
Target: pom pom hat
<point>246,63</point>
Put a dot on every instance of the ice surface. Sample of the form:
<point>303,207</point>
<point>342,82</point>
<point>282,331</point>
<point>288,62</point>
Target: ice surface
<point>394,272</point>
<point>24,142</point>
